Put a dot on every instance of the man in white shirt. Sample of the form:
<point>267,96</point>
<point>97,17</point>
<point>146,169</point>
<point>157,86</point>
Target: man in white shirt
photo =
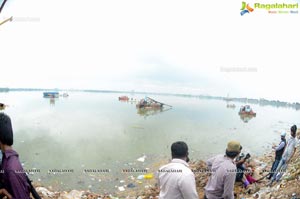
<point>287,155</point>
<point>176,180</point>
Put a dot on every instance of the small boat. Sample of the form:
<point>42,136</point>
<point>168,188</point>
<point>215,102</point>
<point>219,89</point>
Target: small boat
<point>123,98</point>
<point>51,94</point>
<point>65,95</point>
<point>246,110</point>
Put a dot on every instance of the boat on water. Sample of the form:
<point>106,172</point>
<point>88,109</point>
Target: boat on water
<point>123,98</point>
<point>148,106</point>
<point>247,110</point>
<point>149,103</point>
<point>51,94</point>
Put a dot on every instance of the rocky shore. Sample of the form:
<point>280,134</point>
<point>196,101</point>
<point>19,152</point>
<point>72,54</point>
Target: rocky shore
<point>287,188</point>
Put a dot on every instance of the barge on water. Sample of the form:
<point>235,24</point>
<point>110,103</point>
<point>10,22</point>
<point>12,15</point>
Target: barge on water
<point>51,94</point>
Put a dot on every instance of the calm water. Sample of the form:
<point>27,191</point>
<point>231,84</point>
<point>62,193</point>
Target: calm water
<point>96,131</point>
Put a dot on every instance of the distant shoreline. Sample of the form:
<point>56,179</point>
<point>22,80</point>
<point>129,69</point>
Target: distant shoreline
<point>261,101</point>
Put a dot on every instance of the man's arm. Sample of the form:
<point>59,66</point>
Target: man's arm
<point>209,162</point>
<point>241,161</point>
<point>229,185</point>
<point>18,186</point>
<point>280,146</point>
<point>187,186</point>
<point>4,192</point>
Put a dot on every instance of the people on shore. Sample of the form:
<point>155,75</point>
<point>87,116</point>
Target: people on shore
<point>12,177</point>
<point>241,168</point>
<point>176,180</point>
<point>249,175</point>
<point>287,156</point>
<point>223,173</point>
<point>278,154</point>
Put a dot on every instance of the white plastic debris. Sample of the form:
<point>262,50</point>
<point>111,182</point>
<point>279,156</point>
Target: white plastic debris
<point>141,159</point>
<point>140,177</point>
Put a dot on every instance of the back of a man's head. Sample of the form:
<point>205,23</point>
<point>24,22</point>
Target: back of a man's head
<point>294,130</point>
<point>179,150</point>
<point>6,131</point>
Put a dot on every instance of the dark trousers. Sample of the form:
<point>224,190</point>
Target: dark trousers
<point>274,167</point>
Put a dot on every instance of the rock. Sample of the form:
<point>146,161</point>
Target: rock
<point>74,194</point>
<point>45,192</point>
<point>130,185</point>
<point>268,196</point>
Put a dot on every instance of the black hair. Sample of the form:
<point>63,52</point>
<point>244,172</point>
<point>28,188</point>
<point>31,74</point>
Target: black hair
<point>294,129</point>
<point>6,131</point>
<point>179,149</point>
<point>231,154</point>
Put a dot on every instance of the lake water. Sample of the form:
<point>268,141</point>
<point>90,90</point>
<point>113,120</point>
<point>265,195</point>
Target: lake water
<point>97,131</point>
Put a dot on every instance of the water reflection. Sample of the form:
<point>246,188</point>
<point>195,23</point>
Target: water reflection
<point>151,111</point>
<point>52,101</point>
<point>246,118</point>
<point>232,106</point>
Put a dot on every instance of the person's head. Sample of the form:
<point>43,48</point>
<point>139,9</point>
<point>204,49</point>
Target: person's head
<point>180,150</point>
<point>6,131</point>
<point>233,149</point>
<point>282,135</point>
<point>293,130</point>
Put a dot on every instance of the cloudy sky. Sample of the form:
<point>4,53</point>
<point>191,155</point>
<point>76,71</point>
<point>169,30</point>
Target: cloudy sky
<point>196,47</point>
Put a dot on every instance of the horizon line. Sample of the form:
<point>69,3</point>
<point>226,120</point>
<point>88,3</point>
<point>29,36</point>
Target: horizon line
<point>239,99</point>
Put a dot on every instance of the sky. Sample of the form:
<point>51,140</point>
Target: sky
<point>190,47</point>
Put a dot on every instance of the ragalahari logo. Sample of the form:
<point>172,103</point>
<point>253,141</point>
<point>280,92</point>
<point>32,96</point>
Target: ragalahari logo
<point>245,8</point>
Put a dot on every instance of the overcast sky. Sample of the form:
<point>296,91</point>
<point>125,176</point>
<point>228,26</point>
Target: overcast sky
<point>196,47</point>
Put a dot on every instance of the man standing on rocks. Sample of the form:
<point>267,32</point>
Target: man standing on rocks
<point>287,155</point>
<point>278,154</point>
<point>223,168</point>
<point>176,180</point>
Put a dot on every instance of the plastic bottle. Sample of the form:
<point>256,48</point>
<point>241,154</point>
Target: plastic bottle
<point>148,176</point>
